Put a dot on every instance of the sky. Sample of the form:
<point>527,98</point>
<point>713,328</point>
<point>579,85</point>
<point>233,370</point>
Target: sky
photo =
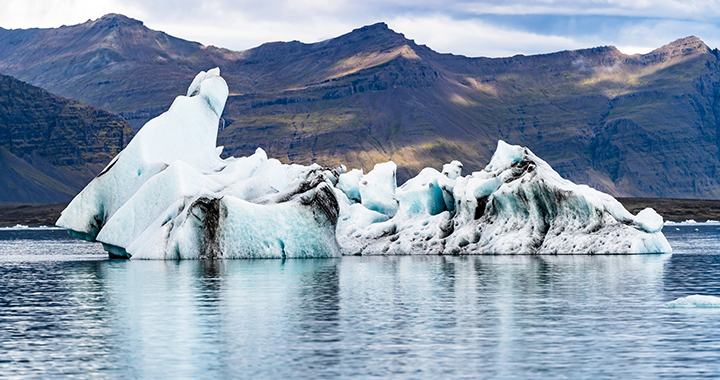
<point>489,28</point>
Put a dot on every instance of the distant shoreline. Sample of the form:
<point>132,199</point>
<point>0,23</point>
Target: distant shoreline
<point>30,214</point>
<point>676,210</point>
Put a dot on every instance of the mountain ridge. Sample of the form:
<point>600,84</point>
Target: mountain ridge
<point>631,125</point>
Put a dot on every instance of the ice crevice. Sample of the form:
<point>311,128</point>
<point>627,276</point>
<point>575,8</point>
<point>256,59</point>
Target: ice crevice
<point>169,195</point>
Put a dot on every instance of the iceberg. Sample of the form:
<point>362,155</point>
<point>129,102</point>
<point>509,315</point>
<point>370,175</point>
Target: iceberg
<point>169,195</point>
<point>517,205</point>
<point>694,302</point>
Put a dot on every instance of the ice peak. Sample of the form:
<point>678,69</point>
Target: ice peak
<point>211,86</point>
<point>504,156</point>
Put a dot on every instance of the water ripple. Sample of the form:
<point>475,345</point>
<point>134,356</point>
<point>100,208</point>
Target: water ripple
<point>67,311</point>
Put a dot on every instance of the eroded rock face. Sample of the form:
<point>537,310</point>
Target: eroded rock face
<point>50,147</point>
<point>169,195</point>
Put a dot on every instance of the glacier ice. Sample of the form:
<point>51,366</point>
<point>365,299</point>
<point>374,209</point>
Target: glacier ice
<point>517,204</point>
<point>169,195</point>
<point>695,301</point>
<point>377,189</point>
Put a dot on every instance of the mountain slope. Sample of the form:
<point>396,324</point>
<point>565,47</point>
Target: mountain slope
<point>50,147</point>
<point>640,125</point>
<point>630,125</point>
<point>114,63</point>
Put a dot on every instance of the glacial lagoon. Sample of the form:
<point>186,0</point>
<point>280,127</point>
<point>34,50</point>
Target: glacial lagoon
<point>65,309</point>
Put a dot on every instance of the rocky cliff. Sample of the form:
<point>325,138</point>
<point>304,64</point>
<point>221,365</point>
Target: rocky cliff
<point>50,147</point>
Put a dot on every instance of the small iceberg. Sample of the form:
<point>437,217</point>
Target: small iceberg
<point>695,302</point>
<point>169,195</point>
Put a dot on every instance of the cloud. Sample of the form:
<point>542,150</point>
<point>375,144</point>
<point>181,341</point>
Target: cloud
<point>54,13</point>
<point>474,28</point>
<point>476,38</point>
<point>669,9</point>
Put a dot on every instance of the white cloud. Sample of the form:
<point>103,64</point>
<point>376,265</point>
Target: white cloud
<point>630,50</point>
<point>658,33</point>
<point>461,27</point>
<point>54,13</point>
<point>671,9</point>
<point>476,38</point>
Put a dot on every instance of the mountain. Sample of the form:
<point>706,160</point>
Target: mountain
<point>114,63</point>
<point>632,125</point>
<point>50,147</point>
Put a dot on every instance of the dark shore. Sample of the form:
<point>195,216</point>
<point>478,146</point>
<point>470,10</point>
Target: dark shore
<point>676,210</point>
<point>30,214</point>
<point>36,214</point>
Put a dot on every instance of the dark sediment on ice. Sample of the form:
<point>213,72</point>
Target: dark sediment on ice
<point>37,214</point>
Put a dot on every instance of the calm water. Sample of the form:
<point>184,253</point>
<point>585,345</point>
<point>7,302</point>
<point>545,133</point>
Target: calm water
<point>67,310</point>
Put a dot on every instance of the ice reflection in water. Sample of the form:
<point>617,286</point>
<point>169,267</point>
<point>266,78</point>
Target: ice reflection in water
<point>355,317</point>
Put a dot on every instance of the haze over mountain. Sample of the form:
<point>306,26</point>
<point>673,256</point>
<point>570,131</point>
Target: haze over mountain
<point>50,147</point>
<point>640,125</point>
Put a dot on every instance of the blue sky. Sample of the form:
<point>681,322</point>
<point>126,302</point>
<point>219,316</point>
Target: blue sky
<point>474,28</point>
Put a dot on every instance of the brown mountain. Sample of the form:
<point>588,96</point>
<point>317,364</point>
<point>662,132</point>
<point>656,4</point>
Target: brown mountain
<point>640,125</point>
<point>50,147</point>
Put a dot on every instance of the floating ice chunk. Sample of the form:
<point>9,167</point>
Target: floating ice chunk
<point>649,220</point>
<point>518,204</point>
<point>24,227</point>
<point>693,222</point>
<point>422,194</point>
<point>694,301</point>
<point>377,189</point>
<point>453,169</point>
<point>349,183</point>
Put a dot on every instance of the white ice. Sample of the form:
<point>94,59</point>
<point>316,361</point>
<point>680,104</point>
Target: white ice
<point>517,204</point>
<point>377,189</point>
<point>694,301</point>
<point>169,195</point>
<point>692,222</point>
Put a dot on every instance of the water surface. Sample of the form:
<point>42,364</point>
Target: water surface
<point>67,310</point>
